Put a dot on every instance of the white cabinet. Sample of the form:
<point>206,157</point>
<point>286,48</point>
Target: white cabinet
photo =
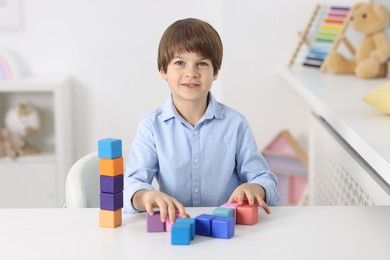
<point>349,144</point>
<point>38,180</point>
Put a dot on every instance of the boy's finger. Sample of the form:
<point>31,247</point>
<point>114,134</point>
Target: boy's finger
<point>163,210</point>
<point>182,211</point>
<point>250,198</point>
<point>171,213</point>
<point>265,207</point>
<point>149,209</point>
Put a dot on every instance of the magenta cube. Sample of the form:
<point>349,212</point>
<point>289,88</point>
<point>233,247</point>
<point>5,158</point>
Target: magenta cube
<point>111,184</point>
<point>168,225</point>
<point>153,223</point>
<point>111,201</point>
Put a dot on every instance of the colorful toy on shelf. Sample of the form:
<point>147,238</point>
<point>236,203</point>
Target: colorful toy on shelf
<point>111,182</point>
<point>288,161</point>
<point>325,25</point>
<point>11,65</point>
<point>371,57</point>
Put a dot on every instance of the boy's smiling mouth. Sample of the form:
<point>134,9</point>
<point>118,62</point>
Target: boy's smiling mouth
<point>191,85</point>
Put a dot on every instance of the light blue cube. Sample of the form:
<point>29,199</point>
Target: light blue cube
<point>188,220</point>
<point>110,148</point>
<point>181,234</point>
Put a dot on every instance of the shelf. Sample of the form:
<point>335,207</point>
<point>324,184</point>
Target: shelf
<point>39,158</point>
<point>338,99</point>
<point>41,177</point>
<point>33,84</point>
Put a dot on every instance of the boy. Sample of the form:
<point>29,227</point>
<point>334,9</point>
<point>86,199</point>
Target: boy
<point>201,152</point>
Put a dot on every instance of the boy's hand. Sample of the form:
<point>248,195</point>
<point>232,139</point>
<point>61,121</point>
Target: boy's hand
<point>168,206</point>
<point>254,193</point>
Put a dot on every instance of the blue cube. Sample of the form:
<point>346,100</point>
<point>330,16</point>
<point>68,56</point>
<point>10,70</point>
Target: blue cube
<point>110,148</point>
<point>203,225</point>
<point>188,220</point>
<point>181,234</point>
<point>222,227</point>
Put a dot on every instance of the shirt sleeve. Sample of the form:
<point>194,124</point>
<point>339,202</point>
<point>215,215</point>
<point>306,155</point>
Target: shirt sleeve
<point>141,165</point>
<point>252,167</point>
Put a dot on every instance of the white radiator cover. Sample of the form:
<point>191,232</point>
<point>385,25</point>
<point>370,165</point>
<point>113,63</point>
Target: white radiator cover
<point>337,175</point>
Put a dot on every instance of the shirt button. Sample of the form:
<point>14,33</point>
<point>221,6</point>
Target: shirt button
<point>196,190</point>
<point>196,160</point>
<point>195,132</point>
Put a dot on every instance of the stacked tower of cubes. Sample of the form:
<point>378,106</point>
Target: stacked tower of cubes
<point>111,182</point>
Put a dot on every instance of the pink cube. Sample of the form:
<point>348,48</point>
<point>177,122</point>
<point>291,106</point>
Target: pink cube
<point>233,206</point>
<point>168,225</point>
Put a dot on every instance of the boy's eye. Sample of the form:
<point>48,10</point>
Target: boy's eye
<point>203,63</point>
<point>179,62</point>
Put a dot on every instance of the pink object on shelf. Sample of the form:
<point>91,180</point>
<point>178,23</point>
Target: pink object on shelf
<point>289,162</point>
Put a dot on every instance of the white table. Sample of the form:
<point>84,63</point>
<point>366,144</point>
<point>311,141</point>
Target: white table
<point>288,233</point>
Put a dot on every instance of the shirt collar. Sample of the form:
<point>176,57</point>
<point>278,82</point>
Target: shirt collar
<point>213,109</point>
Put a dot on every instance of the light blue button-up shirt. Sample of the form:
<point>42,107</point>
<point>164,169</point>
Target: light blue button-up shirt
<point>199,166</point>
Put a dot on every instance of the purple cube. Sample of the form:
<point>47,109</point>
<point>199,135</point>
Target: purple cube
<point>111,201</point>
<point>153,223</point>
<point>111,184</point>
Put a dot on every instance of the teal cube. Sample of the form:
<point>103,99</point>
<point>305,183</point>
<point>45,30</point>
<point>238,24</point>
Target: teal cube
<point>181,234</point>
<point>188,220</point>
<point>224,212</point>
<point>110,148</point>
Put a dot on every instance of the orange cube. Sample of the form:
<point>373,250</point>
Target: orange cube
<point>247,214</point>
<point>111,167</point>
<point>111,219</point>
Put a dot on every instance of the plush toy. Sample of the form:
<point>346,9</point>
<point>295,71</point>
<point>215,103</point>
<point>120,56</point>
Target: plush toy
<point>11,143</point>
<point>370,59</point>
<point>21,122</point>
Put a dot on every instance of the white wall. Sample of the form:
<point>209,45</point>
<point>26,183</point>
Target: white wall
<point>109,48</point>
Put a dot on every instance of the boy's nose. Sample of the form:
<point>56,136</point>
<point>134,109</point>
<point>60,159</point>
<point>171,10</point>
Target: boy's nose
<point>191,72</point>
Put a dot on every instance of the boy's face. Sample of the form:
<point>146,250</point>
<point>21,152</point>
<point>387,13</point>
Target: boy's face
<point>189,77</point>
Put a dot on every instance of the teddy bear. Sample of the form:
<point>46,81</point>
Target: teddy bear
<point>11,143</point>
<point>370,59</point>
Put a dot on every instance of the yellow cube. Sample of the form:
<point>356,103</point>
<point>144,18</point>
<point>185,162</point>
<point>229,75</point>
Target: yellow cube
<point>111,219</point>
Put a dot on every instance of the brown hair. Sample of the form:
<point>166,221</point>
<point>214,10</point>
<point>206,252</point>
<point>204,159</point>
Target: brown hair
<point>190,35</point>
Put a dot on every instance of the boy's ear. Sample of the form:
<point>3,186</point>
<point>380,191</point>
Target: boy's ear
<point>215,77</point>
<point>163,74</point>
